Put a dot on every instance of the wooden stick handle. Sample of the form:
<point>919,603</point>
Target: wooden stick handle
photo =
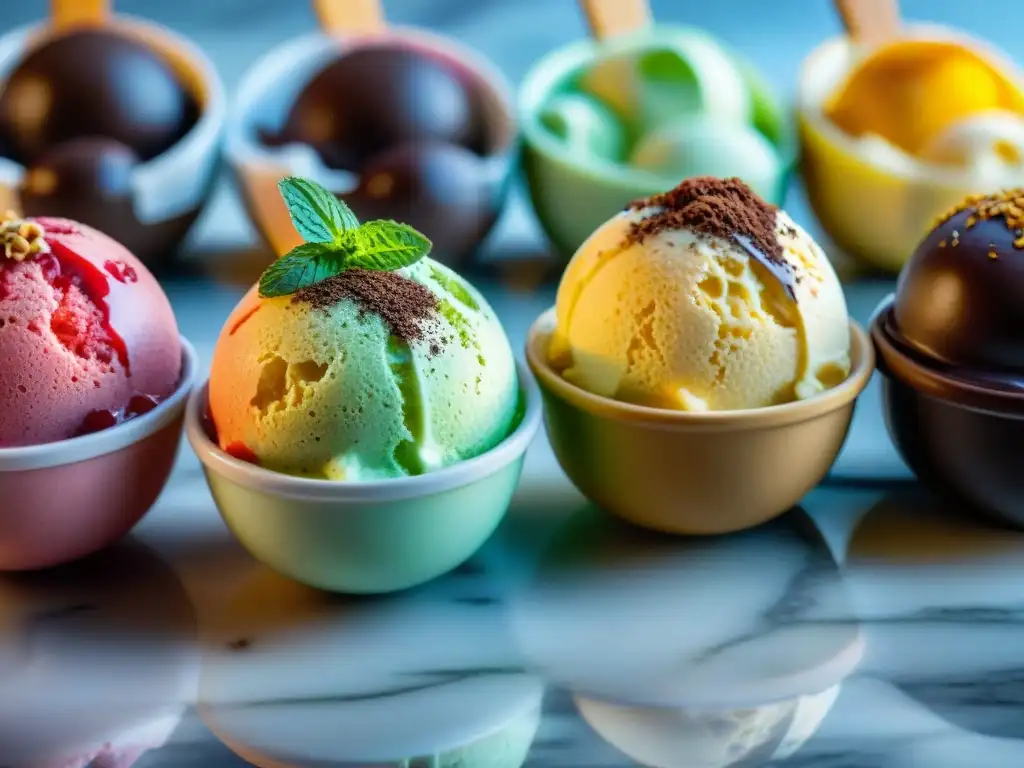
<point>350,17</point>
<point>870,22</point>
<point>607,18</point>
<point>65,14</point>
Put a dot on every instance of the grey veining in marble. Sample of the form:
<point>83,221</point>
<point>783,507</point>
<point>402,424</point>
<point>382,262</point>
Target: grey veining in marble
<point>634,617</point>
<point>869,628</point>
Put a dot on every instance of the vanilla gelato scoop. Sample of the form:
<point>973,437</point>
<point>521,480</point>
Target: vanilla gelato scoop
<point>704,298</point>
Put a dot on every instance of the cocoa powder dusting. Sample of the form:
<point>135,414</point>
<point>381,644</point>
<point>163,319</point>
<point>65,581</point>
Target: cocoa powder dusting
<point>404,305</point>
<point>724,208</point>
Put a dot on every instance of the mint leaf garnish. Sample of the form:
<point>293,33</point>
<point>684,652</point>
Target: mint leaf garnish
<point>302,266</point>
<point>335,241</point>
<point>387,245</point>
<point>318,215</point>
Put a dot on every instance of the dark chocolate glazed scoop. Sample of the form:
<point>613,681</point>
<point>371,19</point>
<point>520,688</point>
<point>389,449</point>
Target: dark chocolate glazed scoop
<point>960,298</point>
<point>951,352</point>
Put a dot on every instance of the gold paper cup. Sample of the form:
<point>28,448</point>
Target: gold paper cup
<point>876,209</point>
<point>694,473</point>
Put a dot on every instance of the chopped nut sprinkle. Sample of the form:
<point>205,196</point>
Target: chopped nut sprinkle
<point>1008,204</point>
<point>21,238</point>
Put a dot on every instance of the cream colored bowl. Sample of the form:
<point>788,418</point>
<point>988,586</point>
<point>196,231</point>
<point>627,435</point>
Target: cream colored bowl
<point>873,201</point>
<point>695,473</point>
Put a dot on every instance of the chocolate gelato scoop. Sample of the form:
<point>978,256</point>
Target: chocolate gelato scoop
<point>438,188</point>
<point>79,180</point>
<point>960,298</point>
<point>376,97</point>
<point>90,180</point>
<point>93,82</point>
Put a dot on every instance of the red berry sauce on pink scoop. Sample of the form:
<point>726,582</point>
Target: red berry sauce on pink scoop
<point>89,334</point>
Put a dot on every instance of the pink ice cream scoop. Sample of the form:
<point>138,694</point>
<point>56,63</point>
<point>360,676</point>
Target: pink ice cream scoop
<point>87,335</point>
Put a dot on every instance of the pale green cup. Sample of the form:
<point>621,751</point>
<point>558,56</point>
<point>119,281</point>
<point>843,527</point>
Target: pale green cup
<point>365,537</point>
<point>572,194</point>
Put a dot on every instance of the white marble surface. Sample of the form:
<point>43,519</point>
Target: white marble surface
<point>870,628</point>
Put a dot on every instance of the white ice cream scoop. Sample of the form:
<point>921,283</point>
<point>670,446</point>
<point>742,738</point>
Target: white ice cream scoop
<point>990,142</point>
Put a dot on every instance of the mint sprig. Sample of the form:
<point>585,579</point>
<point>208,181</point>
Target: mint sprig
<point>304,265</point>
<point>387,245</point>
<point>335,241</point>
<point>317,215</point>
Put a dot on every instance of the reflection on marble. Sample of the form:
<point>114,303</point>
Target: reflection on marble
<point>943,595</point>
<point>690,652</point>
<point>643,618</point>
<point>669,737</point>
<point>98,660</point>
<point>938,595</point>
<point>428,678</point>
<point>876,629</point>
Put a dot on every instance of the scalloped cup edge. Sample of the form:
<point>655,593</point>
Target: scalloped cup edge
<point>840,396</point>
<point>76,449</point>
<point>279,484</point>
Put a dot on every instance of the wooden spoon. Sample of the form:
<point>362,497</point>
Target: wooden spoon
<point>870,22</point>
<point>66,14</point>
<point>350,17</point>
<point>609,18</point>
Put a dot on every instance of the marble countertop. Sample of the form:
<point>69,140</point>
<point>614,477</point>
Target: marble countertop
<point>873,626</point>
<point>869,627</point>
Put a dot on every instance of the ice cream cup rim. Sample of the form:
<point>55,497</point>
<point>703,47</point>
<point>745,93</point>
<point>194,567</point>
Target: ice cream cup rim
<point>927,173</point>
<point>536,86</point>
<point>895,364</point>
<point>313,489</point>
<point>839,396</point>
<point>76,449</point>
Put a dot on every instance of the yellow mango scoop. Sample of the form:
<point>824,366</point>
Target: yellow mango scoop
<point>910,91</point>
